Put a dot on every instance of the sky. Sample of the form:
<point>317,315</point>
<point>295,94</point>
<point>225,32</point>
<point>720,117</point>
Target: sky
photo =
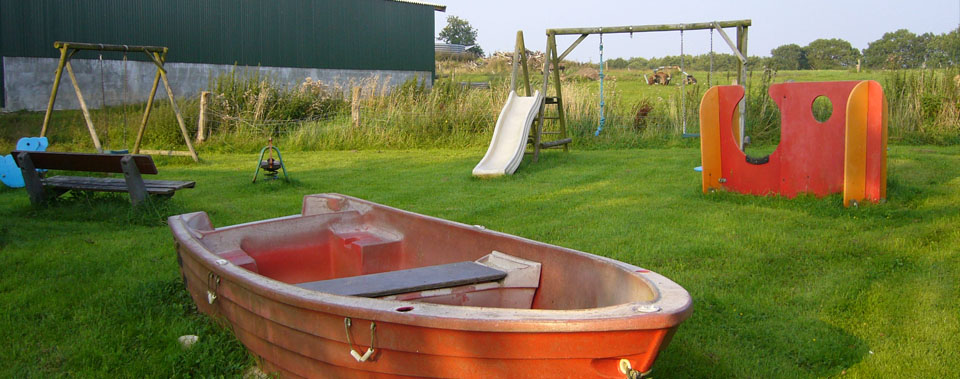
<point>775,23</point>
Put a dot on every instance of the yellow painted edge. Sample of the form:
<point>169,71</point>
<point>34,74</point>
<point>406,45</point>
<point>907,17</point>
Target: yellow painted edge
<point>855,145</point>
<point>710,139</point>
<point>883,147</point>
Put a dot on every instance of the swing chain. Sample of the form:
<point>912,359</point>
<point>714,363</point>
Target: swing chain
<point>683,87</point>
<point>710,74</point>
<point>123,97</point>
<point>603,117</point>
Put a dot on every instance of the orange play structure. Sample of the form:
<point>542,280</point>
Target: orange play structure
<point>846,153</point>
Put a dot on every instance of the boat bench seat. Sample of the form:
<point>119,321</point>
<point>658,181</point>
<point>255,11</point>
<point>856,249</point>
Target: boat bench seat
<point>410,280</point>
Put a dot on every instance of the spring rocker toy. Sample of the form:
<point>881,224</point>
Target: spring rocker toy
<point>847,153</point>
<point>270,166</point>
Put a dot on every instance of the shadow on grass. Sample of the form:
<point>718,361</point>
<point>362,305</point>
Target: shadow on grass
<point>103,207</point>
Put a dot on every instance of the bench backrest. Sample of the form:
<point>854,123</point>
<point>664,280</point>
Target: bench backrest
<point>86,161</point>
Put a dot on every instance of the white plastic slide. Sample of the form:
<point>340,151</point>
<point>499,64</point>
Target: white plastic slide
<point>509,136</point>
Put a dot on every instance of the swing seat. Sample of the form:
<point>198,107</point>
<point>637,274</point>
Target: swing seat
<point>10,174</point>
<point>271,165</point>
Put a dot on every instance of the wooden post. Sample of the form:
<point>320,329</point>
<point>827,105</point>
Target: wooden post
<point>742,80</point>
<point>523,60</point>
<point>53,93</point>
<point>202,118</point>
<point>543,105</point>
<point>83,108</point>
<point>515,62</point>
<point>31,179</point>
<point>146,111</point>
<point>556,78</point>
<point>355,106</point>
<point>135,185</point>
<point>176,111</point>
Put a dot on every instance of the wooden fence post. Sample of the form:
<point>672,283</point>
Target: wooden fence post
<point>355,107</point>
<point>202,119</point>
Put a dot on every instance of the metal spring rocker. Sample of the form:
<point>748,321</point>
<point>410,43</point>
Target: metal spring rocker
<point>270,166</point>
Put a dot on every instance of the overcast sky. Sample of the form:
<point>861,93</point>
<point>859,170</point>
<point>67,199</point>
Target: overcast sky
<point>775,22</point>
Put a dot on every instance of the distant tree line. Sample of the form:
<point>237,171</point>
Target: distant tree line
<point>899,49</point>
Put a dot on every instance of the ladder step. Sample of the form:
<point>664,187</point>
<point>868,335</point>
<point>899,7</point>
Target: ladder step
<point>550,100</point>
<point>547,145</point>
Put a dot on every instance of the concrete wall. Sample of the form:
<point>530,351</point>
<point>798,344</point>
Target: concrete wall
<point>27,81</point>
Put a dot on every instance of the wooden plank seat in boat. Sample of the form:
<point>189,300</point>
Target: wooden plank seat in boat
<point>410,280</point>
<point>130,165</point>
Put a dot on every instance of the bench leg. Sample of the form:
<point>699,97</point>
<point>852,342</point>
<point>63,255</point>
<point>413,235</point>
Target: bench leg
<point>135,185</point>
<point>31,179</point>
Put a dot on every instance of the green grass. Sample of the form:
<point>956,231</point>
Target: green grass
<point>781,288</point>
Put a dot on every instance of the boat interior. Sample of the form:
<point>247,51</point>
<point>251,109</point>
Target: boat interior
<point>348,247</point>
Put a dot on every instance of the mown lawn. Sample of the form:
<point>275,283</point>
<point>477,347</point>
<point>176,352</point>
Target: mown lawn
<point>781,288</point>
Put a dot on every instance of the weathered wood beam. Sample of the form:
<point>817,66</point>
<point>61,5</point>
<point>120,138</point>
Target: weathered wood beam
<point>552,144</point>
<point>53,93</point>
<point>572,46</point>
<point>84,109</point>
<point>651,28</point>
<point>108,47</point>
<point>733,46</point>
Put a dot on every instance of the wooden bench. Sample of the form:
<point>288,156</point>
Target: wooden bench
<point>405,281</point>
<point>132,166</point>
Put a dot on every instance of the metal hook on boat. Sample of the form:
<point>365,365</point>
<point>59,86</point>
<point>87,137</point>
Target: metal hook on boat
<point>213,284</point>
<point>626,369</point>
<point>373,338</point>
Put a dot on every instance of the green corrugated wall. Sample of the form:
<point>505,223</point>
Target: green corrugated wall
<point>336,34</point>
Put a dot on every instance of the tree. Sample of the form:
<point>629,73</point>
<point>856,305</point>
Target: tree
<point>833,53</point>
<point>459,31</point>
<point>789,57</point>
<point>944,50</point>
<point>899,49</point>
<point>617,63</point>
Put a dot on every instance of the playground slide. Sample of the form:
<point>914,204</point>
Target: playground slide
<point>509,136</point>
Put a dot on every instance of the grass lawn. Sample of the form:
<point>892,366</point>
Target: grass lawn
<point>781,288</point>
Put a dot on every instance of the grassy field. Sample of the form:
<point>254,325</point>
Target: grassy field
<point>781,288</point>
<point>248,107</point>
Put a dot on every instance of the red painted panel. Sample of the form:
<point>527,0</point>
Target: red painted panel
<point>810,156</point>
<point>812,152</point>
<point>738,174</point>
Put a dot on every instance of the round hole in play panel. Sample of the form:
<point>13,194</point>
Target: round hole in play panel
<point>822,109</point>
<point>404,309</point>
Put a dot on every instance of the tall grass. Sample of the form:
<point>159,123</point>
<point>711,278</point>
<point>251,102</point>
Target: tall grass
<point>249,106</point>
<point>924,105</point>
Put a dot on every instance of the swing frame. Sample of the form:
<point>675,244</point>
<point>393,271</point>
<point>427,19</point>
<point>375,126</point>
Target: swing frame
<point>157,55</point>
<point>739,49</point>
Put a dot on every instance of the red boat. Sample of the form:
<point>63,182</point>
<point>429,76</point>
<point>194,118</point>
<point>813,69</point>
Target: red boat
<point>351,288</point>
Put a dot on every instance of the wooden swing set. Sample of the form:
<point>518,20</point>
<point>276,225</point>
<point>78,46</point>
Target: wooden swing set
<point>157,55</point>
<point>553,58</point>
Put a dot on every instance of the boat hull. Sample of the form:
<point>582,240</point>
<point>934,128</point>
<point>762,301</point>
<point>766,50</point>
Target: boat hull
<point>300,333</point>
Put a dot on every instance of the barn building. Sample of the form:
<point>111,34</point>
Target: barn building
<point>335,41</point>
